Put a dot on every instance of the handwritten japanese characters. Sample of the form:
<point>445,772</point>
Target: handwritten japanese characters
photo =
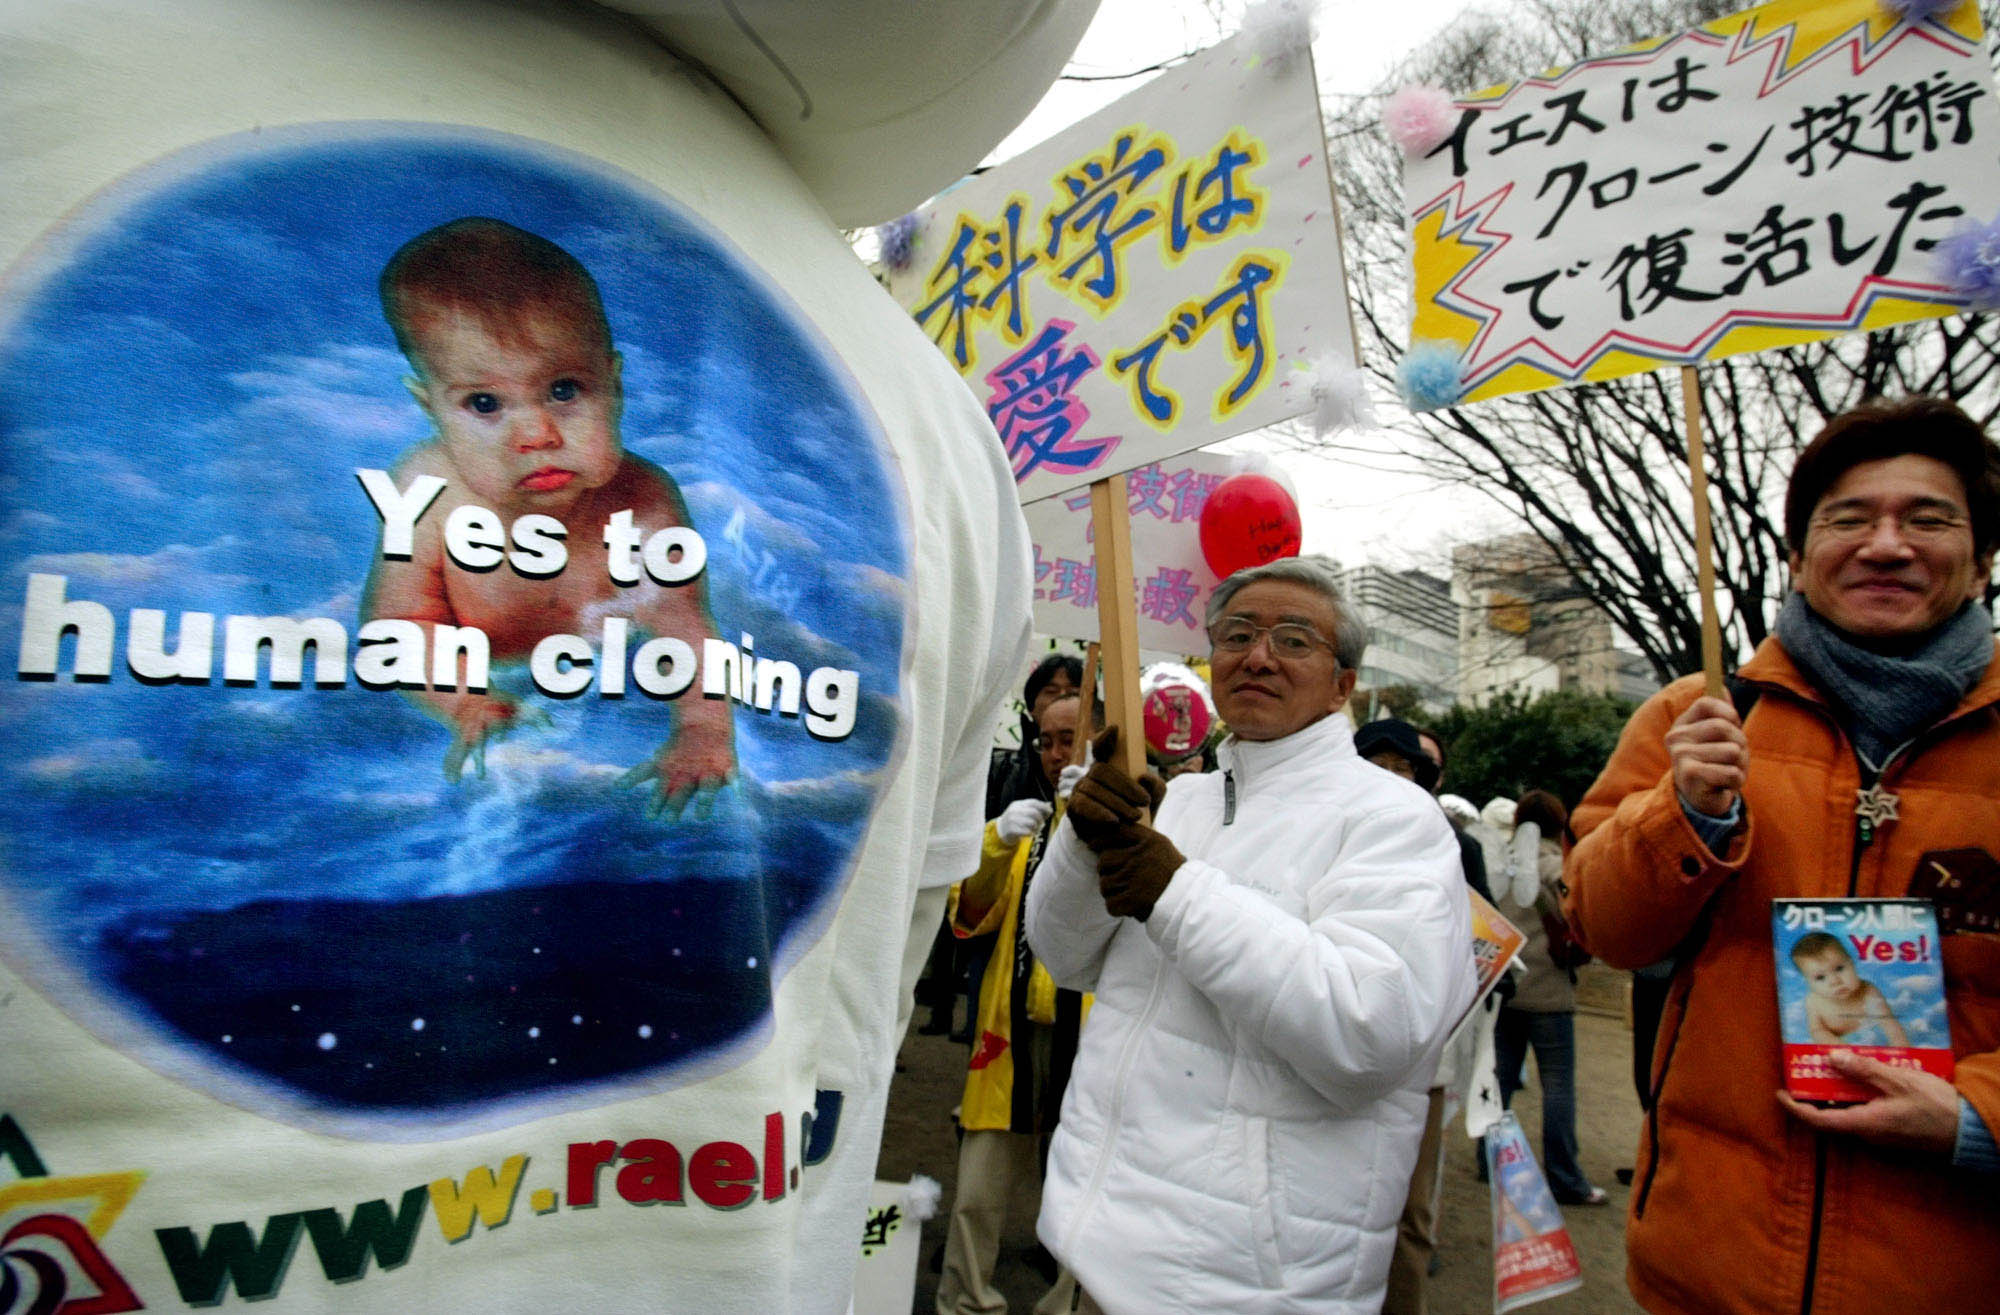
<point>1150,281</point>
<point>1164,500</point>
<point>1770,178</point>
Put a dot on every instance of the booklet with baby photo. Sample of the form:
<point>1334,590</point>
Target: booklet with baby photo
<point>1858,974</point>
<point>1495,943</point>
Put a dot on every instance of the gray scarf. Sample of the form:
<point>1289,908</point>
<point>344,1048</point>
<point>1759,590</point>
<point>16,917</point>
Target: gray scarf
<point>1888,700</point>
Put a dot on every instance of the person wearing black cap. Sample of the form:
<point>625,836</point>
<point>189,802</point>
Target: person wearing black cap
<point>1396,746</point>
<point>1391,744</point>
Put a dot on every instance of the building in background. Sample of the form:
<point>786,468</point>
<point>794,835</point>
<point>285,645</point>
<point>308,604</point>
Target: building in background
<point>1414,648</point>
<point>1523,626</point>
<point>1635,680</point>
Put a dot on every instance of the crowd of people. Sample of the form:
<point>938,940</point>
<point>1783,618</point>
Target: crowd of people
<point>1211,1022</point>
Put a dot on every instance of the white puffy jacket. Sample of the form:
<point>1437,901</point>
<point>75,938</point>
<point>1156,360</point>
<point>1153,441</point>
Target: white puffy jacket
<point>1245,1110</point>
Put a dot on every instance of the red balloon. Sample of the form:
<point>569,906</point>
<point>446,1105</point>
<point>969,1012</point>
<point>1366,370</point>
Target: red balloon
<point>1247,521</point>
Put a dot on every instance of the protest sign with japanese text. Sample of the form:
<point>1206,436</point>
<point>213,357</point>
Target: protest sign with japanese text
<point>1153,279</point>
<point>1773,177</point>
<point>1165,501</point>
<point>886,1281</point>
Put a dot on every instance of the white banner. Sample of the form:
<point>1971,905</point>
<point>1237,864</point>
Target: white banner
<point>1773,177</point>
<point>885,1283</point>
<point>1173,582</point>
<point>1154,279</point>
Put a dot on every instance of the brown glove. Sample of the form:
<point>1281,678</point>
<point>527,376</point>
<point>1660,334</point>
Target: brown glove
<point>1107,803</point>
<point>1132,876</point>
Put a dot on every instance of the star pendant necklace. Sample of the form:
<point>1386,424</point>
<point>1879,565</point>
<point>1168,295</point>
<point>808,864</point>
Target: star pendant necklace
<point>1874,806</point>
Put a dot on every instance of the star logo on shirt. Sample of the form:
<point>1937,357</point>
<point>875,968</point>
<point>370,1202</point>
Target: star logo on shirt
<point>53,1227</point>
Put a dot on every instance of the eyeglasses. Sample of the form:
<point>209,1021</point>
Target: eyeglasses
<point>1923,525</point>
<point>1064,742</point>
<point>1289,639</point>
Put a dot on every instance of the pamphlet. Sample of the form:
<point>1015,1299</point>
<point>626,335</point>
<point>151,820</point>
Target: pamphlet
<point>1533,1257</point>
<point>1864,975</point>
<point>1495,942</point>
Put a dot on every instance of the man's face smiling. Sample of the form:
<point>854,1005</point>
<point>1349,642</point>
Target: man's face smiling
<point>1263,696</point>
<point>1889,553</point>
<point>530,422</point>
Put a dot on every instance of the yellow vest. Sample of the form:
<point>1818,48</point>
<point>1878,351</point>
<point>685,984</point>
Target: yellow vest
<point>994,893</point>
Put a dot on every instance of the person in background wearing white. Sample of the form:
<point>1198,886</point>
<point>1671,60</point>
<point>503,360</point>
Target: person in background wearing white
<point>1276,964</point>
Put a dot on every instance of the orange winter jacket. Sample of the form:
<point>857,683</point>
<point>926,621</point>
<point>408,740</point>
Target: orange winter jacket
<point>1736,1207</point>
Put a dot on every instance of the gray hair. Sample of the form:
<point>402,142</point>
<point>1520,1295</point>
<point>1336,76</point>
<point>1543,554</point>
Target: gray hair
<point>1350,632</point>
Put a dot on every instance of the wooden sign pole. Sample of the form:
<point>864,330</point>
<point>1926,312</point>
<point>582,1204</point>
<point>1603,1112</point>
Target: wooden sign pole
<point>1118,620</point>
<point>1704,550</point>
<point>1086,717</point>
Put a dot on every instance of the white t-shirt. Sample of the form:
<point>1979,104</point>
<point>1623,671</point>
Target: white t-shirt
<point>272,984</point>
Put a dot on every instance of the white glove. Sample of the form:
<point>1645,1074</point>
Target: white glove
<point>1067,781</point>
<point>1022,818</point>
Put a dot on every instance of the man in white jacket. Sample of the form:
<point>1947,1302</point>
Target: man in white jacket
<point>1276,961</point>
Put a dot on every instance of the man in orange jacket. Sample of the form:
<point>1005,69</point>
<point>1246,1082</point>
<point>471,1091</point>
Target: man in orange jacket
<point>1868,765</point>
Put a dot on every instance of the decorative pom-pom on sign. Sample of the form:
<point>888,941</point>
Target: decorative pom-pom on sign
<point>1275,30</point>
<point>922,1196</point>
<point>1431,375</point>
<point>1970,259</point>
<point>899,241</point>
<point>1916,11</point>
<point>1340,397</point>
<point>1418,117</point>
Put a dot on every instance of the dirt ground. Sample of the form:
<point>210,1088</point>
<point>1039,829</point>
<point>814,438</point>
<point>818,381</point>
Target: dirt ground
<point>931,1073</point>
